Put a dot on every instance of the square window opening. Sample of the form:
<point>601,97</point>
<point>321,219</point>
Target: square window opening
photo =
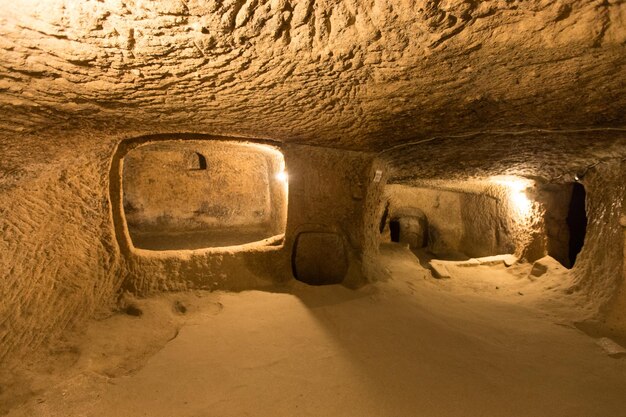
<point>195,194</point>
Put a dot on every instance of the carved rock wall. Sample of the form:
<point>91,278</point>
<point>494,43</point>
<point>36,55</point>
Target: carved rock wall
<point>353,74</point>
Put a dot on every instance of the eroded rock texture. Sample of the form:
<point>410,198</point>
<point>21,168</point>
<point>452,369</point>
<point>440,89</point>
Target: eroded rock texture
<point>436,89</point>
<point>357,74</point>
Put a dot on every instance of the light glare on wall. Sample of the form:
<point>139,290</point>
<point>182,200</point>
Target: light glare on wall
<point>517,187</point>
<point>282,176</point>
<point>521,202</point>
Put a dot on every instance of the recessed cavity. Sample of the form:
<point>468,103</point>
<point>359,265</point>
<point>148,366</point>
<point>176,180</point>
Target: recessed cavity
<point>203,194</point>
<point>394,230</point>
<point>197,161</point>
<point>577,221</point>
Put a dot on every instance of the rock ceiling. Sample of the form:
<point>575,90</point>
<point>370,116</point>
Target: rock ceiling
<point>355,74</point>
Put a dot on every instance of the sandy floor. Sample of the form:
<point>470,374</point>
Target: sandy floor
<point>487,342</point>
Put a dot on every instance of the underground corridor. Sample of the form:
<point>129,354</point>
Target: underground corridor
<point>312,208</point>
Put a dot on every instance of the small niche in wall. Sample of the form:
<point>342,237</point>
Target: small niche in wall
<point>394,230</point>
<point>171,201</point>
<point>196,161</point>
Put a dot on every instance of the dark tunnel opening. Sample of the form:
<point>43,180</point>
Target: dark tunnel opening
<point>394,230</point>
<point>576,222</point>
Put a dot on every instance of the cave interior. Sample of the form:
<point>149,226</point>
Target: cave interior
<point>312,207</point>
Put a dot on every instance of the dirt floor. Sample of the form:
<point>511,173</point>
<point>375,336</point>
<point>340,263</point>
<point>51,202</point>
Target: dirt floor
<point>488,341</point>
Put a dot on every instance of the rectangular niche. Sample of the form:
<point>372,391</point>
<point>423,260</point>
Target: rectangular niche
<point>193,194</point>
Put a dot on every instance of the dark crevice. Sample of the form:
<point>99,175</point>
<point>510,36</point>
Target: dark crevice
<point>394,230</point>
<point>383,219</point>
<point>576,222</point>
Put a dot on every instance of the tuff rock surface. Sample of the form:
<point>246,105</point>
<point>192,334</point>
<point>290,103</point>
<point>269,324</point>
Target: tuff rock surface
<point>359,74</point>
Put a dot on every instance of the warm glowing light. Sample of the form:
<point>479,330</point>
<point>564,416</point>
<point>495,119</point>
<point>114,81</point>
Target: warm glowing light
<point>282,176</point>
<point>521,202</point>
<point>517,187</point>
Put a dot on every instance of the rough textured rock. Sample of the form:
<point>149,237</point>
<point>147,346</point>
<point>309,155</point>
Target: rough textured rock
<point>541,266</point>
<point>599,269</point>
<point>62,260</point>
<point>458,222</point>
<point>412,226</point>
<point>322,198</point>
<point>444,90</point>
<point>340,73</point>
<point>556,198</point>
<point>203,194</point>
<point>320,258</point>
<point>57,258</point>
<point>546,156</point>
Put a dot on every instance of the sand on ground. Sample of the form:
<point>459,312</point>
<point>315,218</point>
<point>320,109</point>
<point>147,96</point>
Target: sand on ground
<point>487,342</point>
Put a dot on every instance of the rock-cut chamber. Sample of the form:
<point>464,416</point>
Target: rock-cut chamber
<point>203,194</point>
